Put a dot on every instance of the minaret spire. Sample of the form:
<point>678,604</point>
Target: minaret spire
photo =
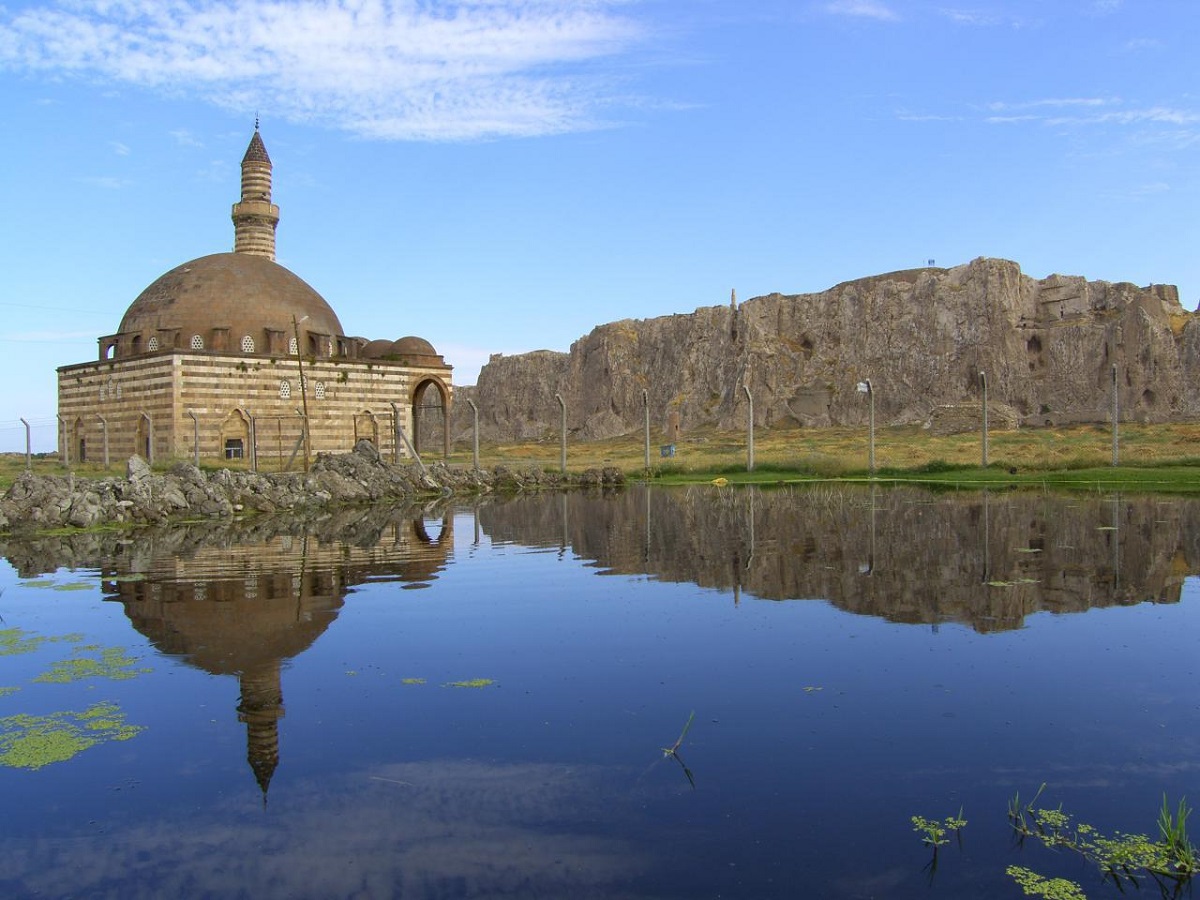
<point>255,216</point>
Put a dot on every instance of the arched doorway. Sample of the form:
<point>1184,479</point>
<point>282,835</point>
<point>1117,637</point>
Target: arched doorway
<point>366,427</point>
<point>79,440</point>
<point>235,436</point>
<point>430,419</point>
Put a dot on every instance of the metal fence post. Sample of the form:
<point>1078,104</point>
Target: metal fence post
<point>474,434</point>
<point>983,381</point>
<point>562,451</point>
<point>749,432</point>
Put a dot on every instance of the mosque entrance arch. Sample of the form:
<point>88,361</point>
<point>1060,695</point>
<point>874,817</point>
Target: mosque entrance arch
<point>430,419</point>
<point>235,436</point>
<point>366,427</point>
<point>79,440</point>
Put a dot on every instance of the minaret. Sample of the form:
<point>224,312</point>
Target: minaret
<point>255,216</point>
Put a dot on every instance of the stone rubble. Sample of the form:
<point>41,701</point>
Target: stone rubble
<point>41,502</point>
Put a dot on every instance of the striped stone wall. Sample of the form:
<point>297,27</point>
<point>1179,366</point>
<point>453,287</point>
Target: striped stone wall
<point>162,405</point>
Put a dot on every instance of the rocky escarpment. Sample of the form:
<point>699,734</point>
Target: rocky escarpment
<point>38,502</point>
<point>921,336</point>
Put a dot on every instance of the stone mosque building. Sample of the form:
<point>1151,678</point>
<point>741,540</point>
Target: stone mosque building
<point>228,356</point>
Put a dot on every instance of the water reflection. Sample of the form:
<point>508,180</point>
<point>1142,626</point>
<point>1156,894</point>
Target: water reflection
<point>553,782</point>
<point>242,599</point>
<point>905,555</point>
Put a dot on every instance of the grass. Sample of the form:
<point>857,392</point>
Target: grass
<point>1153,457</point>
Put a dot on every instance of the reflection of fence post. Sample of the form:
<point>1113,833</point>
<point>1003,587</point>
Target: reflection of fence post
<point>474,434</point>
<point>401,436</point>
<point>646,424</point>
<point>195,438</point>
<point>1116,455</point>
<point>65,441</point>
<point>28,446</point>
<point>104,431</point>
<point>253,442</point>
<point>749,431</point>
<point>983,381</point>
<point>562,443</point>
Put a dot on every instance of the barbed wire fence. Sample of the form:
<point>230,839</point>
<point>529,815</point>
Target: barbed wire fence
<point>40,431</point>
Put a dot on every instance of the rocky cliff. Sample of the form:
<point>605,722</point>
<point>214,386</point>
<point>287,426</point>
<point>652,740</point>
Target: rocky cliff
<point>921,336</point>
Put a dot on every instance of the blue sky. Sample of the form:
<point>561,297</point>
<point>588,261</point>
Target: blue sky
<point>502,175</point>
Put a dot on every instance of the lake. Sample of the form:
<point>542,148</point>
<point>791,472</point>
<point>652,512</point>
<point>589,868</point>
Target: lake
<point>653,693</point>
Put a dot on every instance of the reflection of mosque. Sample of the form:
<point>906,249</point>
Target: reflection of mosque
<point>243,609</point>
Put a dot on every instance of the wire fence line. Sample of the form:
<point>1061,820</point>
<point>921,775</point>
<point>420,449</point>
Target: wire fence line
<point>41,431</point>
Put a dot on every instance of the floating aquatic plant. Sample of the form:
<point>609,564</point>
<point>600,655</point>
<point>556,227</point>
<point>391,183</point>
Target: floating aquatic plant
<point>933,831</point>
<point>108,662</point>
<point>14,641</point>
<point>1034,885</point>
<point>471,683</point>
<point>31,742</point>
<point>1123,857</point>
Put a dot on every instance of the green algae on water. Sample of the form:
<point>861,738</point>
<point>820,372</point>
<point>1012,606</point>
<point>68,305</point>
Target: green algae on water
<point>471,683</point>
<point>14,641</point>
<point>31,742</point>
<point>112,663</point>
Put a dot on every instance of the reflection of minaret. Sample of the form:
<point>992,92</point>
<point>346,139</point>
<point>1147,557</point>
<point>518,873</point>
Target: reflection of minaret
<point>245,609</point>
<point>261,708</point>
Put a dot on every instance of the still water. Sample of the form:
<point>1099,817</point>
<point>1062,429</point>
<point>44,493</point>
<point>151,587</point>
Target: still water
<point>474,701</point>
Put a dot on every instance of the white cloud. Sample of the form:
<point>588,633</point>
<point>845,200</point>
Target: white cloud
<point>866,9</point>
<point>185,138</point>
<point>396,69</point>
<point>108,182</point>
<point>119,148</point>
<point>1055,103</point>
<point>1137,45</point>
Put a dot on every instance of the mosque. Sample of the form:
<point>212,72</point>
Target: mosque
<point>233,357</point>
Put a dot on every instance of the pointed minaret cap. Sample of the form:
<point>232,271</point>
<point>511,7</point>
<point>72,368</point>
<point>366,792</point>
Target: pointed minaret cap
<point>255,217</point>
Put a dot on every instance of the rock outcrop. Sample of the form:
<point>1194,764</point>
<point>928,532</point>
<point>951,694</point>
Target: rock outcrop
<point>921,336</point>
<point>40,502</point>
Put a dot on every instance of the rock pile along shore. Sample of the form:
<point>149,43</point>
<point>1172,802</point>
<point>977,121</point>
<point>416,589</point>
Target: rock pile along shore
<point>38,502</point>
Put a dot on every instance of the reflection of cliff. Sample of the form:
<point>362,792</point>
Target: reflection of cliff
<point>902,554</point>
<point>242,600</point>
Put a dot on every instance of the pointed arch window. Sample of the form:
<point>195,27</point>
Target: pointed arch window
<point>197,342</point>
<point>247,344</point>
<point>152,344</point>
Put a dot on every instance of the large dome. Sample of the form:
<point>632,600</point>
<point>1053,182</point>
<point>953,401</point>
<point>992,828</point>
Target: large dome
<point>240,293</point>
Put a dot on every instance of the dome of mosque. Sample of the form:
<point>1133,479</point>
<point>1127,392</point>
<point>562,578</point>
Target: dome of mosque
<point>246,295</point>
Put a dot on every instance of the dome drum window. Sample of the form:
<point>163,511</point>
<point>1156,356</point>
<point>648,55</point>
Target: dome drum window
<point>247,344</point>
<point>152,344</point>
<point>197,342</point>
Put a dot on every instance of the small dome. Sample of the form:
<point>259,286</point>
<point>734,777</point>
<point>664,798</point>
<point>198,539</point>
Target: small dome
<point>376,349</point>
<point>410,351</point>
<point>413,346</point>
<point>245,293</point>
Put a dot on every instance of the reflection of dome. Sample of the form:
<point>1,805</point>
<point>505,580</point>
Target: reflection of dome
<point>411,350</point>
<point>244,293</point>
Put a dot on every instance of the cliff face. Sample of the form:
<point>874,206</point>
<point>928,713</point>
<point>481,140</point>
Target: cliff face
<point>921,336</point>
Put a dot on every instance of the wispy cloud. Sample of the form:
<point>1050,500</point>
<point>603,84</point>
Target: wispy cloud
<point>185,138</point>
<point>865,9</point>
<point>108,182</point>
<point>1138,45</point>
<point>119,148</point>
<point>980,18</point>
<point>1054,103</point>
<point>392,69</point>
